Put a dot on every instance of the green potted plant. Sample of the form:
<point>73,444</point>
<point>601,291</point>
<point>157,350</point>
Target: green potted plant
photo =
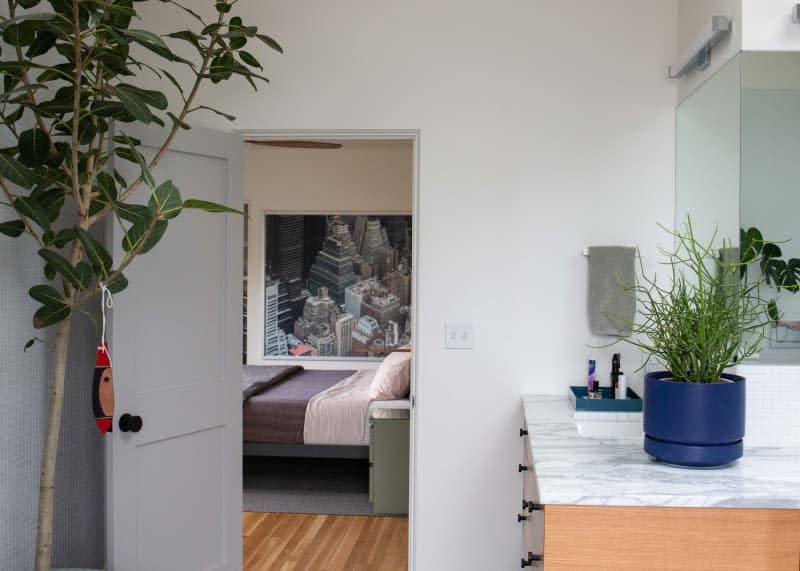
<point>68,94</point>
<point>702,321</point>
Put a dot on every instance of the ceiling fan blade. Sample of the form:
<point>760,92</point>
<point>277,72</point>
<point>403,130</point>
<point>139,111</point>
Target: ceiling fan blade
<point>298,144</point>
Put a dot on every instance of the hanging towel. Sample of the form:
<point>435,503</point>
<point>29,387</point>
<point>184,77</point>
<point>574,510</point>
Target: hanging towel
<point>611,310</point>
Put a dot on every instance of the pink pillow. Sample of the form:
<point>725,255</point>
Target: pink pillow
<point>392,380</point>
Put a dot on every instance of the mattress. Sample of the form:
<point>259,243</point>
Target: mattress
<point>277,415</point>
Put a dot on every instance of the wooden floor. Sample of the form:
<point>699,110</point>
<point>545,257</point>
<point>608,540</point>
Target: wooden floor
<point>280,542</point>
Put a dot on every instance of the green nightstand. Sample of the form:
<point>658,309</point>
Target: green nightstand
<point>388,461</point>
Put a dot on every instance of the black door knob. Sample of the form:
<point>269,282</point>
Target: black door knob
<point>130,423</point>
<point>523,432</point>
<point>521,518</point>
<point>522,468</point>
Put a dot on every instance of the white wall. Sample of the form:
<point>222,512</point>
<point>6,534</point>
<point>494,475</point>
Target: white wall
<point>545,127</point>
<point>363,176</point>
<point>693,15</point>
<point>768,26</point>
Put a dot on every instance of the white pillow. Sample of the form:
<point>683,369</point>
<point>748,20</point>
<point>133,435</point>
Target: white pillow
<point>392,379</point>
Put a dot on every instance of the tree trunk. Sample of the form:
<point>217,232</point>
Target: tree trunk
<point>47,481</point>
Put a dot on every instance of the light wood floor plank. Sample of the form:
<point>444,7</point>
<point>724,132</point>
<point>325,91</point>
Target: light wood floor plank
<point>299,542</point>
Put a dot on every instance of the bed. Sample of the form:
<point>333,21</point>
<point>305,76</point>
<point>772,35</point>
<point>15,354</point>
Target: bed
<point>292,411</point>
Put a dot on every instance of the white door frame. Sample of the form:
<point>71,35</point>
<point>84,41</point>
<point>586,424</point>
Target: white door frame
<point>414,136</point>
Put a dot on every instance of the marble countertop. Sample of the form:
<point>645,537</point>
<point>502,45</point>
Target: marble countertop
<point>573,469</point>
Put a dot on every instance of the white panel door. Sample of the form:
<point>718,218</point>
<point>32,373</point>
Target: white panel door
<point>175,487</point>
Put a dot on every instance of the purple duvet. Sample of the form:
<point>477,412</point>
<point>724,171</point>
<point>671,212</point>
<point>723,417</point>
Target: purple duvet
<point>278,414</point>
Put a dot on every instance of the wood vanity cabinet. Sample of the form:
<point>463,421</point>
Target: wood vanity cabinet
<point>627,538</point>
<point>622,538</point>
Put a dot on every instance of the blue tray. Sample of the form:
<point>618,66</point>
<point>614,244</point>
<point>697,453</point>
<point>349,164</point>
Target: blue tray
<point>606,404</point>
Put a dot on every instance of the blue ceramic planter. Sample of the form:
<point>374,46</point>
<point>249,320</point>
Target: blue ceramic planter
<point>694,424</point>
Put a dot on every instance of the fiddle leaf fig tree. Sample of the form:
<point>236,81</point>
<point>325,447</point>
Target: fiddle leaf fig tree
<point>69,90</point>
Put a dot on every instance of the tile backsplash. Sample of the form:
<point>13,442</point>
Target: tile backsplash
<point>773,404</point>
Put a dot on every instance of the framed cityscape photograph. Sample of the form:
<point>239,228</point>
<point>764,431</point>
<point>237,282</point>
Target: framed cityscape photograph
<point>336,286</point>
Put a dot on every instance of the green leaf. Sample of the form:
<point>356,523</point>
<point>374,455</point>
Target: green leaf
<point>150,97</point>
<point>117,284</point>
<point>133,103</point>
<point>211,29</point>
<point>49,272</point>
<point>248,58</point>
<point>223,7</point>
<point>28,3</point>
<point>50,314</point>
<point>61,265</point>
<point>228,117</point>
<point>86,131</point>
<point>188,36</point>
<point>46,294</point>
<point>40,17</point>
<point>121,13</point>
<point>134,213</point>
<point>112,109</point>
<point>29,344</point>
<point>155,44</point>
<point>138,234</point>
<point>12,228</point>
<point>270,42</point>
<point>145,37</point>
<point>107,187</point>
<point>175,119</point>
<point>34,147</point>
<point>772,310</point>
<point>221,67</point>
<point>30,208</point>
<point>44,42</point>
<point>84,270</point>
<point>238,42</point>
<point>99,257</point>
<point>146,176</point>
<point>64,237</point>
<point>174,81</point>
<point>51,201</point>
<point>16,172</point>
<point>209,206</point>
<point>166,200</point>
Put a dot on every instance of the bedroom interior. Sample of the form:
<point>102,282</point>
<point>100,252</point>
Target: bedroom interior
<point>328,331</point>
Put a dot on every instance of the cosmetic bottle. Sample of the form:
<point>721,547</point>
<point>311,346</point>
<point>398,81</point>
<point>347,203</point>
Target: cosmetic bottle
<point>592,376</point>
<point>622,387</point>
<point>615,372</point>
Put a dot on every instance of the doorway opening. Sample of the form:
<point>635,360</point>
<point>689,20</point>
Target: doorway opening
<point>329,303</point>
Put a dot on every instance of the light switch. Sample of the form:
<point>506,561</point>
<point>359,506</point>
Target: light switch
<point>457,335</point>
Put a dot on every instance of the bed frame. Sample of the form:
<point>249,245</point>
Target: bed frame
<point>305,450</point>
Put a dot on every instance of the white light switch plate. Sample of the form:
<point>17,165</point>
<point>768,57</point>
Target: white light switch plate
<point>457,335</point>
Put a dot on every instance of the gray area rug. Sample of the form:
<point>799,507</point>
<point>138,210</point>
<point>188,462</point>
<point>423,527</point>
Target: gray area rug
<point>306,485</point>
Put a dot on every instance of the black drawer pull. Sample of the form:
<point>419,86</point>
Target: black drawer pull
<point>531,506</point>
<point>523,432</point>
<point>522,468</point>
<point>521,518</point>
<point>531,559</point>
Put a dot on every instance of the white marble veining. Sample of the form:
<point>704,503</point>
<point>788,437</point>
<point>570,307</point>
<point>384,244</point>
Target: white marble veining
<point>573,469</point>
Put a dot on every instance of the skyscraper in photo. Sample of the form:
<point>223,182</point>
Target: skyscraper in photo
<point>333,267</point>
<point>274,337</point>
<point>343,330</point>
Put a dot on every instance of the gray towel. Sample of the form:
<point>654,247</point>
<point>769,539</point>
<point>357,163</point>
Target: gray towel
<point>611,310</point>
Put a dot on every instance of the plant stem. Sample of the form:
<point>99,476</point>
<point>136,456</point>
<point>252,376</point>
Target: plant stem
<point>47,478</point>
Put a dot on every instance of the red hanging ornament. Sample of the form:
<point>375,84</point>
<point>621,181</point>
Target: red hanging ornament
<point>103,384</point>
<point>103,390</point>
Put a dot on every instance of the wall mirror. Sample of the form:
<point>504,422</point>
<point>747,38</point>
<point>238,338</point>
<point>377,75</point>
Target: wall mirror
<point>737,157</point>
